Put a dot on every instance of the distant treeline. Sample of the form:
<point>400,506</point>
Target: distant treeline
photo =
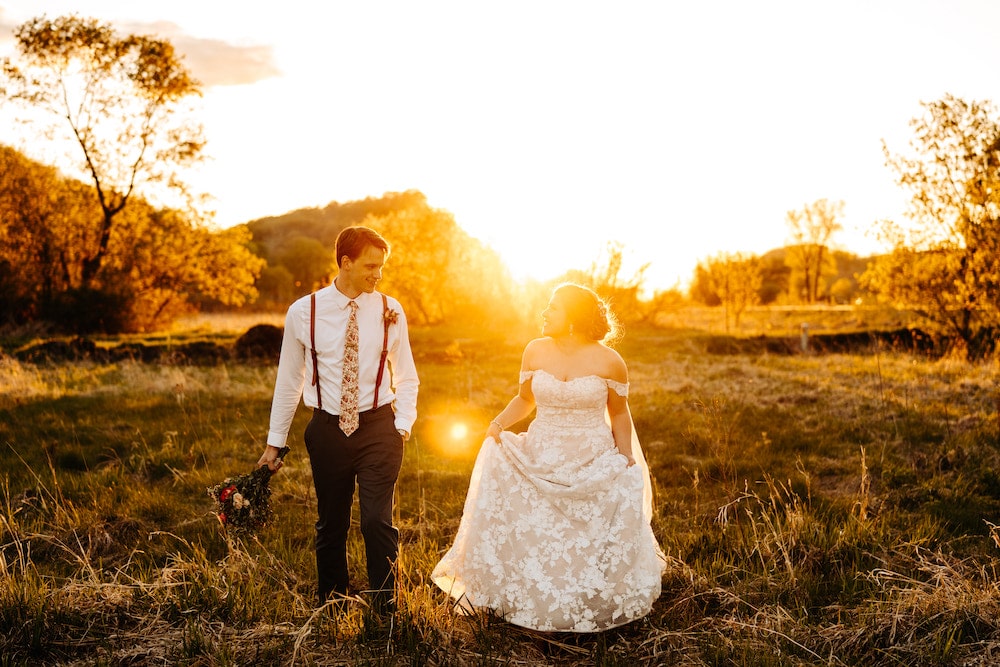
<point>781,281</point>
<point>160,264</point>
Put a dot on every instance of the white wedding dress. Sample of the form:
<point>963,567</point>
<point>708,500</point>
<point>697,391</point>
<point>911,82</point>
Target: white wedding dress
<point>555,534</point>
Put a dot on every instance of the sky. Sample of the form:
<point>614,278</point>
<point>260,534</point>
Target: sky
<point>550,129</point>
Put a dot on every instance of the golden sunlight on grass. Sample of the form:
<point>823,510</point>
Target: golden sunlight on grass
<point>822,508</point>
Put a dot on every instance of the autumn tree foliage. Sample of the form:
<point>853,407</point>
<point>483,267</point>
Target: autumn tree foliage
<point>113,109</point>
<point>945,262</point>
<point>39,240</point>
<point>438,270</point>
<point>157,265</point>
<point>115,100</point>
<point>298,246</point>
<point>84,247</point>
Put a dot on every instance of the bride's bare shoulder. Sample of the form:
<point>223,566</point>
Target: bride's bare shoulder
<point>537,350</point>
<point>613,364</point>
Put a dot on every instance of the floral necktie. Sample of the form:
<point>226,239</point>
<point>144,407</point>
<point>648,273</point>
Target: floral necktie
<point>349,385</point>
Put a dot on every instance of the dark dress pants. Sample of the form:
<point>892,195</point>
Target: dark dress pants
<point>372,457</point>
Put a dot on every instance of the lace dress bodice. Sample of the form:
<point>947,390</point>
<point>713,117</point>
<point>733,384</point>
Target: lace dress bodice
<point>574,403</point>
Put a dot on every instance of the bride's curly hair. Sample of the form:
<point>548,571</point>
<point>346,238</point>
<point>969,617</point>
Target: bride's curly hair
<point>588,313</point>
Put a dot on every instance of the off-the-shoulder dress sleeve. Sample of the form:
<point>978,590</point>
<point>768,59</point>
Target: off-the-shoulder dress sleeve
<point>620,388</point>
<point>525,376</point>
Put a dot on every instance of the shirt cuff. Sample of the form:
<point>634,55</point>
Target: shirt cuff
<point>276,439</point>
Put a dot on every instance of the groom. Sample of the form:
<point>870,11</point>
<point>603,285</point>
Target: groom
<point>340,338</point>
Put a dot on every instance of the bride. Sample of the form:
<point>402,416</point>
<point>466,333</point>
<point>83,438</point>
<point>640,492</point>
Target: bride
<point>555,534</point>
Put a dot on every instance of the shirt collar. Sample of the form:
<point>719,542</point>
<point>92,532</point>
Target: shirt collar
<point>340,299</point>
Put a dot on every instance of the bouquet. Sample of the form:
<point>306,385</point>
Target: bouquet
<point>243,503</point>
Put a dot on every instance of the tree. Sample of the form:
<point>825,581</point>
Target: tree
<point>775,276</point>
<point>605,277</point>
<point>808,254</point>
<point>276,287</point>
<point>168,264</point>
<point>311,263</point>
<point>730,279</point>
<point>945,265</point>
<point>39,237</point>
<point>702,289</point>
<point>437,270</point>
<point>116,103</point>
<point>158,262</point>
<point>116,99</point>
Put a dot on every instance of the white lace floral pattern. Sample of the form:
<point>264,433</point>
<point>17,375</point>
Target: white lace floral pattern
<point>554,536</point>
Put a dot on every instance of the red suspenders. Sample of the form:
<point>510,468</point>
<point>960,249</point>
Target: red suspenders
<point>385,349</point>
<point>381,362</point>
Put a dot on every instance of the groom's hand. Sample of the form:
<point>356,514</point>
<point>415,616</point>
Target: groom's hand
<point>270,458</point>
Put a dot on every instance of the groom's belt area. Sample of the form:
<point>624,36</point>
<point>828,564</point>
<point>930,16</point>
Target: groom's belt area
<point>363,417</point>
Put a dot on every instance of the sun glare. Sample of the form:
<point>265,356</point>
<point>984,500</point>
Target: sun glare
<point>453,437</point>
<point>459,431</point>
<point>450,430</point>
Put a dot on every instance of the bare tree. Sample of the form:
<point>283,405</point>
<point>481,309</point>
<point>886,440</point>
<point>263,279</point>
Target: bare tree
<point>811,229</point>
<point>605,276</point>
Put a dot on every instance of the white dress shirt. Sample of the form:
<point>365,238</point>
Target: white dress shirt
<point>294,379</point>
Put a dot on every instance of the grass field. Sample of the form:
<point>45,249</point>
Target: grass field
<point>815,509</point>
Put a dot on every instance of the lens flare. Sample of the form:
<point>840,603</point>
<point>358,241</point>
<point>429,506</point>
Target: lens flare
<point>451,429</point>
<point>459,431</point>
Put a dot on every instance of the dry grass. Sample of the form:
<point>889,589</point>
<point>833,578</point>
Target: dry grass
<point>828,510</point>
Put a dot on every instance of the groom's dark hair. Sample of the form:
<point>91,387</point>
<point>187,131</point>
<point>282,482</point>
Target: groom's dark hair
<point>352,241</point>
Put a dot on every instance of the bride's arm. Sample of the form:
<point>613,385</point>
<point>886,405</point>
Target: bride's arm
<point>618,411</point>
<point>521,405</point>
<point>621,424</point>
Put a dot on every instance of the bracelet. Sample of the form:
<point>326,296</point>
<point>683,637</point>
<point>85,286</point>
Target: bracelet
<point>494,422</point>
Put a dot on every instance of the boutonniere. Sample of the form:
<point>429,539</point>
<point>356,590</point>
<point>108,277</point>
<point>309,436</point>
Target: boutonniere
<point>390,316</point>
